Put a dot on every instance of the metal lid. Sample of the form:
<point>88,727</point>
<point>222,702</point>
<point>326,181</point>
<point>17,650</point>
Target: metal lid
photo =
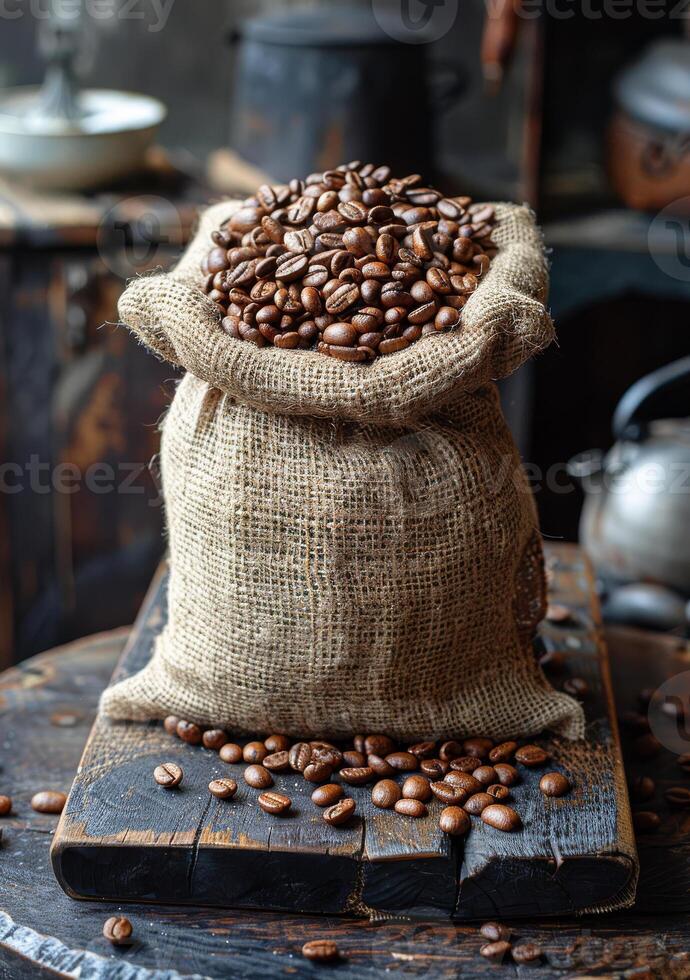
<point>326,26</point>
<point>656,88</point>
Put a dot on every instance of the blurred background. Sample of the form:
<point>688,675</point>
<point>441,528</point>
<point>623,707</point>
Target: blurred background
<point>579,107</point>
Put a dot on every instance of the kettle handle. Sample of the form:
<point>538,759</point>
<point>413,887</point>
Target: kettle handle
<point>627,424</point>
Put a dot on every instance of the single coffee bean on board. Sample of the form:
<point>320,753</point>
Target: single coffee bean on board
<point>117,930</point>
<point>48,801</point>
<point>168,775</point>
<point>315,267</point>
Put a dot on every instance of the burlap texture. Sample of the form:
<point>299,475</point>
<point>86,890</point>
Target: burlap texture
<point>353,547</point>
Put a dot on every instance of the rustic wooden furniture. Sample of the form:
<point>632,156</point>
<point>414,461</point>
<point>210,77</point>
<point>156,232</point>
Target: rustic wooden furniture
<point>48,705</point>
<point>574,854</point>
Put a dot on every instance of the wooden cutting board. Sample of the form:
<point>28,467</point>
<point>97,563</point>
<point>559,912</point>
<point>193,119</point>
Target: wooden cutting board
<point>122,837</point>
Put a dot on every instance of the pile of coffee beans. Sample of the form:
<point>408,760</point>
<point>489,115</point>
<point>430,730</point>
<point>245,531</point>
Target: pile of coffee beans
<point>469,778</point>
<point>352,262</point>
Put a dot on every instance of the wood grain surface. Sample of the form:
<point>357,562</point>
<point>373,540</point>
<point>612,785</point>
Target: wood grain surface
<point>47,706</point>
<point>122,837</point>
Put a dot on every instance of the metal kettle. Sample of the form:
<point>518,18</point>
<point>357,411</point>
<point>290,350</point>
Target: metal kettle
<point>635,523</point>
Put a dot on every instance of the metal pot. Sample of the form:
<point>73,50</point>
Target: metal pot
<point>635,522</point>
<point>315,88</point>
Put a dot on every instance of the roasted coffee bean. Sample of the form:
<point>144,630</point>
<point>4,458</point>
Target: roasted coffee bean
<point>277,761</point>
<point>642,789</point>
<point>501,817</point>
<point>385,794</point>
<point>222,788</point>
<point>477,746</point>
<point>464,763</point>
<point>402,761</point>
<point>345,296</point>
<point>189,732</point>
<point>254,752</point>
<point>170,724</point>
<point>526,953</point>
<point>422,750</point>
<point>257,777</point>
<point>274,803</point>
<point>317,772</point>
<point>5,805</point>
<point>380,766</point>
<point>477,803</point>
<point>503,752</point>
<point>678,796</point>
<point>340,334</point>
<point>341,812</point>
<point>646,822</point>
<point>495,951</point>
<point>300,756</point>
<point>48,801</point>
<point>454,821</point>
<point>554,784</point>
<point>507,774</point>
<point>277,743</point>
<point>486,775</point>
<point>416,788</point>
<point>231,752</point>
<point>358,776</point>
<point>380,745</point>
<point>448,794</point>
<point>411,808</point>
<point>321,950</point>
<point>433,768</point>
<point>647,746</point>
<point>531,756</point>
<point>117,930</point>
<point>495,931</point>
<point>498,792</point>
<point>168,774</point>
<point>214,738</point>
<point>464,780</point>
<point>327,794</point>
<point>354,760</point>
<point>454,778</point>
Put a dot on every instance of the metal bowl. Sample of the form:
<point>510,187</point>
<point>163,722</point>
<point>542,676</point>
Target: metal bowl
<point>108,141</point>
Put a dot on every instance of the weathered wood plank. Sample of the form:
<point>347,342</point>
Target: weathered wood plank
<point>123,837</point>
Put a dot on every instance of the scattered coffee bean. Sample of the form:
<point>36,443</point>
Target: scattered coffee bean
<point>380,745</point>
<point>231,752</point>
<point>463,780</point>
<point>416,788</point>
<point>402,761</point>
<point>385,794</point>
<point>117,930</point>
<point>478,802</point>
<point>646,822</point>
<point>526,953</point>
<point>495,951</point>
<point>450,750</point>
<point>318,772</point>
<point>214,738</point>
<point>300,756</point>
<point>449,794</point>
<point>454,821</point>
<point>532,756</point>
<point>486,775</point>
<point>501,817</point>
<point>328,794</point>
<point>274,803</point>
<point>423,750</point>
<point>434,768</point>
<point>465,763</point>
<point>495,932</point>
<point>170,724</point>
<point>354,760</point>
<point>257,777</point>
<point>341,812</point>
<point>189,732</point>
<point>480,747</point>
<point>357,776</point>
<point>647,746</point>
<point>48,801</point>
<point>321,950</point>
<point>411,808</point>
<point>500,793</point>
<point>380,766</point>
<point>168,774</point>
<point>223,788</point>
<point>277,761</point>
<point>507,774</point>
<point>678,796</point>
<point>254,752</point>
<point>503,752</point>
<point>554,784</point>
<point>642,789</point>
<point>5,805</point>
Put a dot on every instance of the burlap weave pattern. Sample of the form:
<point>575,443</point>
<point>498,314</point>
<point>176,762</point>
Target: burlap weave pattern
<point>349,543</point>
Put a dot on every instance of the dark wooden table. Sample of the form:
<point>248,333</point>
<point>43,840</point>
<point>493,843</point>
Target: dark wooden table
<point>47,705</point>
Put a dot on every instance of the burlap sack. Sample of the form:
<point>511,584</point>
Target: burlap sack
<point>353,547</point>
